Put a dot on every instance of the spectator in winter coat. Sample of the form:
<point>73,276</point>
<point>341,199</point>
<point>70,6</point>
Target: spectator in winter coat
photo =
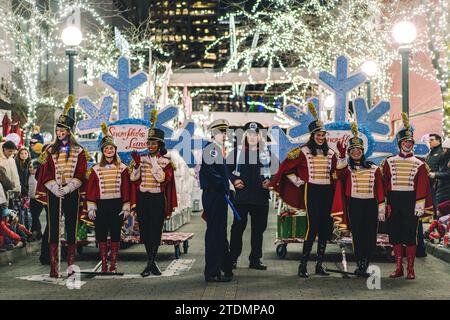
<point>7,161</point>
<point>5,181</point>
<point>433,160</point>
<point>23,160</point>
<point>36,139</point>
<point>8,238</point>
<point>35,206</point>
<point>442,175</point>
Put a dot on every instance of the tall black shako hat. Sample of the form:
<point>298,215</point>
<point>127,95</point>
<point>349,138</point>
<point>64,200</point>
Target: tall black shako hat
<point>405,133</point>
<point>355,141</point>
<point>155,134</point>
<point>67,118</point>
<point>316,125</point>
<point>107,140</point>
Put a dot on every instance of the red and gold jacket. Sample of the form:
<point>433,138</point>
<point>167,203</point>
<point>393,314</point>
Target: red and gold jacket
<point>70,170</point>
<point>108,182</point>
<point>300,168</point>
<point>408,173</point>
<point>359,183</point>
<point>145,179</point>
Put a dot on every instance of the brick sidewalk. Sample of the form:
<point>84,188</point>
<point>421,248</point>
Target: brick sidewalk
<point>278,282</point>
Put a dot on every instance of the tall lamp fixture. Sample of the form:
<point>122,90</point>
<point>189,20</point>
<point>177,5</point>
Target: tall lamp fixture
<point>404,34</point>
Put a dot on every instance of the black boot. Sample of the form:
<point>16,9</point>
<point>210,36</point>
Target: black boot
<point>154,267</point>
<point>360,272</point>
<point>302,268</point>
<point>320,270</point>
<point>150,260</point>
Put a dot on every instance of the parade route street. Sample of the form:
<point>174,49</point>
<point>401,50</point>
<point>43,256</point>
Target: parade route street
<point>280,281</point>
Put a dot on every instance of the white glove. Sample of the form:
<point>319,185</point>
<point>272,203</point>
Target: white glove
<point>66,190</point>
<point>419,209</point>
<point>382,212</point>
<point>432,175</point>
<point>295,180</point>
<point>92,214</point>
<point>125,214</point>
<point>419,212</point>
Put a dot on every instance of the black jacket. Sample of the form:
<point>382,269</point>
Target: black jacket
<point>213,173</point>
<point>433,158</point>
<point>252,176</point>
<point>24,174</point>
<point>443,178</point>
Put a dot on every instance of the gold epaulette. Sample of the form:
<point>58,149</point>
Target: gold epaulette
<point>43,157</point>
<point>173,165</point>
<point>88,173</point>
<point>294,153</point>
<point>382,166</point>
<point>87,155</point>
<point>131,166</point>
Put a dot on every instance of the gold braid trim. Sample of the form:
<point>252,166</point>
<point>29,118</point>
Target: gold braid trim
<point>131,166</point>
<point>88,173</point>
<point>43,157</point>
<point>173,165</point>
<point>294,153</point>
<point>87,155</point>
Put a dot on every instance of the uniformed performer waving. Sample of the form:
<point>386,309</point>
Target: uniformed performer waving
<point>108,199</point>
<point>153,195</point>
<point>214,181</point>
<point>361,197</point>
<point>61,176</point>
<point>250,175</point>
<point>305,180</point>
<point>408,198</point>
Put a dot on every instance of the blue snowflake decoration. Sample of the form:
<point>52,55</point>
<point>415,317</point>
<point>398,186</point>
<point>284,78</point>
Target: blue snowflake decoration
<point>341,85</point>
<point>124,84</point>
<point>96,115</point>
<point>303,118</point>
<point>368,120</point>
<point>281,144</point>
<point>370,117</point>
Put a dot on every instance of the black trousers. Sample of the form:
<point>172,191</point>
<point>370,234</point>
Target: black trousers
<point>150,211</point>
<point>259,214</point>
<point>217,253</point>
<point>70,207</point>
<point>403,222</point>
<point>108,220</point>
<point>318,207</point>
<point>363,214</point>
<point>36,209</point>
<point>44,242</point>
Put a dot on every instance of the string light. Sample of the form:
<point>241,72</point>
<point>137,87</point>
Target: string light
<point>35,35</point>
<point>308,35</point>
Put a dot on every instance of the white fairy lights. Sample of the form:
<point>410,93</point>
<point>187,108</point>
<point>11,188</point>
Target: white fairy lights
<point>309,34</point>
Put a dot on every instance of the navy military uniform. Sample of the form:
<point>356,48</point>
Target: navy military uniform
<point>214,181</point>
<point>252,168</point>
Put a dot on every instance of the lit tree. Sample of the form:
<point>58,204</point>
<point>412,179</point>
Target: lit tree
<point>308,35</point>
<point>438,43</point>
<point>32,31</point>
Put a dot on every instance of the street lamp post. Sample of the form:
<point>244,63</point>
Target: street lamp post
<point>370,69</point>
<point>71,37</point>
<point>404,34</point>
